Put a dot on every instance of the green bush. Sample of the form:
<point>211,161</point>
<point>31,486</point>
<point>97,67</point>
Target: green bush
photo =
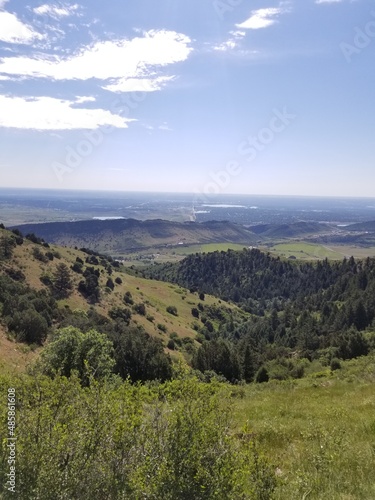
<point>335,364</point>
<point>118,441</point>
<point>172,310</point>
<point>262,375</point>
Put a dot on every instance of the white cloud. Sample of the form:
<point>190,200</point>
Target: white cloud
<point>261,18</point>
<point>232,42</point>
<point>139,84</point>
<point>228,45</point>
<point>47,113</point>
<point>12,30</point>
<point>83,99</point>
<point>327,1</point>
<point>2,3</point>
<point>120,61</point>
<point>55,11</point>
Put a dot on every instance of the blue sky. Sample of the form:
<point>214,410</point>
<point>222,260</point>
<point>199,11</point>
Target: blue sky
<point>204,96</point>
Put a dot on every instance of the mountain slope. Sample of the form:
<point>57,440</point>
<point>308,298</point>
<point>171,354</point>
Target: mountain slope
<point>125,235</point>
<point>148,300</point>
<point>290,230</point>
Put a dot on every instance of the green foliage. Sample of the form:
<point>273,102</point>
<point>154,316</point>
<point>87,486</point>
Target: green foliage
<point>140,309</point>
<point>7,245</point>
<point>118,441</point>
<point>172,310</point>
<point>195,312</point>
<point>29,326</point>
<point>62,281</point>
<point>262,375</point>
<point>123,313</point>
<point>171,345</point>
<point>89,354</point>
<point>138,355</point>
<point>335,364</point>
<point>110,284</point>
<point>219,356</point>
<point>128,299</point>
<point>89,287</point>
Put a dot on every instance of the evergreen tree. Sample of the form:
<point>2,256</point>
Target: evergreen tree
<point>62,281</point>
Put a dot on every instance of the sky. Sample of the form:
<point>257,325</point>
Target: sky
<point>201,96</point>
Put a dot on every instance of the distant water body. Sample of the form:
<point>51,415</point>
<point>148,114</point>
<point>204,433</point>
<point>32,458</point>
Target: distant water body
<point>41,205</point>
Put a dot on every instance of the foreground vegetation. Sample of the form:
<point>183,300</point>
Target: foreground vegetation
<point>113,440</point>
<point>313,438</point>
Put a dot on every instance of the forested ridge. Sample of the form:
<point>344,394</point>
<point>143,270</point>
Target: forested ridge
<point>298,310</point>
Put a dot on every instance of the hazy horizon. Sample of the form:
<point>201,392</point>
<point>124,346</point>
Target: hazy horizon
<point>109,191</point>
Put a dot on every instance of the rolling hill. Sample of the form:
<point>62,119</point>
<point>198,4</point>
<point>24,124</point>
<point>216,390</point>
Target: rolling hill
<point>30,268</point>
<point>293,230</point>
<point>116,237</point>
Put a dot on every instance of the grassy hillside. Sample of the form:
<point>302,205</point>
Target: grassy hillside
<point>156,296</point>
<point>319,431</point>
<point>292,230</point>
<point>305,251</point>
<point>312,438</point>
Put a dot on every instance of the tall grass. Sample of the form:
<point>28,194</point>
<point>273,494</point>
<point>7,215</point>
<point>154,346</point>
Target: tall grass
<point>319,433</point>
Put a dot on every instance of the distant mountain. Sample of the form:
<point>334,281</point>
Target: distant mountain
<point>126,235</point>
<point>290,230</point>
<point>362,226</point>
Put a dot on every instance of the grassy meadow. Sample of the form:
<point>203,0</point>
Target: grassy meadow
<point>305,251</point>
<point>319,432</point>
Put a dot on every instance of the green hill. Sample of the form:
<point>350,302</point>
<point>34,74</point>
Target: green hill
<point>31,266</point>
<point>116,237</point>
<point>293,230</point>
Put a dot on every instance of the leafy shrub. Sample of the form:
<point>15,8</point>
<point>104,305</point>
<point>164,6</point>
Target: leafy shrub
<point>195,312</point>
<point>335,364</point>
<point>128,299</point>
<point>262,375</point>
<point>89,354</point>
<point>171,345</point>
<point>140,309</point>
<point>172,310</point>
<point>39,255</point>
<point>29,326</point>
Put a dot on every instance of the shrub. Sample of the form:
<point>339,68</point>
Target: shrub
<point>128,299</point>
<point>335,364</point>
<point>195,312</point>
<point>172,310</point>
<point>29,326</point>
<point>39,255</point>
<point>140,309</point>
<point>171,345</point>
<point>262,375</point>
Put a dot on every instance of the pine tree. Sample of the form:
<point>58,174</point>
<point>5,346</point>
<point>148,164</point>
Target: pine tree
<point>62,281</point>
